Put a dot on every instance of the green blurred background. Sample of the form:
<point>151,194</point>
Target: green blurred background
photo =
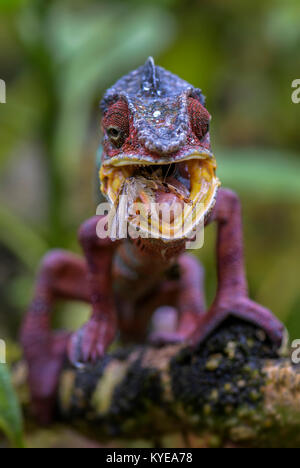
<point>57,58</point>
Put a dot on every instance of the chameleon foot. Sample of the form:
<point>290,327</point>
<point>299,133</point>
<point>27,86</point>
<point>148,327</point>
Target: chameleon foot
<point>90,342</point>
<point>245,309</point>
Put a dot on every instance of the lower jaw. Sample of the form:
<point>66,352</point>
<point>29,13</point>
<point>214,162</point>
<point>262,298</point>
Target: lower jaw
<point>159,252</point>
<point>199,203</point>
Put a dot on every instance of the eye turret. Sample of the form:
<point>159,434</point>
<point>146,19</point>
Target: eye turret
<point>199,118</point>
<point>116,123</point>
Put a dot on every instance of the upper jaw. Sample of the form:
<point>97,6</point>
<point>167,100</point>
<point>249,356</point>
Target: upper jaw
<point>124,159</point>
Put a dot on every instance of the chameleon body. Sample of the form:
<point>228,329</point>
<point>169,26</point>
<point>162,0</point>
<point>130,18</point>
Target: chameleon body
<point>156,148</point>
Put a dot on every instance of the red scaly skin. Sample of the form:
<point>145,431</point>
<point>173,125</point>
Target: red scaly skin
<point>126,281</point>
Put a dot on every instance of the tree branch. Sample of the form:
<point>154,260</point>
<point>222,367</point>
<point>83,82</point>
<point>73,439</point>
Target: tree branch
<point>233,390</point>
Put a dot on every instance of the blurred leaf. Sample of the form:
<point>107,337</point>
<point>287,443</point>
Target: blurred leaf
<point>271,291</point>
<point>19,117</point>
<point>282,25</point>
<point>265,173</point>
<point>92,24</point>
<point>10,412</point>
<point>19,291</point>
<point>21,239</point>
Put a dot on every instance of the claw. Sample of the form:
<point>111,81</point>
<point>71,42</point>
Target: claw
<point>74,349</point>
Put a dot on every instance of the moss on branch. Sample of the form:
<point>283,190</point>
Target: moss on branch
<point>233,389</point>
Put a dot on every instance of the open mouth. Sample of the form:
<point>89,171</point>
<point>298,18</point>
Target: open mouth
<point>163,200</point>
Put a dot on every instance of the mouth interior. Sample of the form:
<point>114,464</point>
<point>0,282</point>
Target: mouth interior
<point>163,182</point>
<point>173,198</point>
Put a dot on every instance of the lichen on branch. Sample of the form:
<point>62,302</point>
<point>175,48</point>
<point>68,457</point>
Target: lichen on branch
<point>233,387</point>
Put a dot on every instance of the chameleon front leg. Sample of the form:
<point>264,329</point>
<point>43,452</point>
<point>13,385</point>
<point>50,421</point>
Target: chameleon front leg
<point>90,342</point>
<point>62,276</point>
<point>232,293</point>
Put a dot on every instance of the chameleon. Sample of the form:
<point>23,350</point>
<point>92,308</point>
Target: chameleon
<point>155,148</point>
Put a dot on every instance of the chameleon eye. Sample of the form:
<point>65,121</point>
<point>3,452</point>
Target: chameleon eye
<point>199,118</point>
<point>116,123</point>
<point>113,132</point>
<point>116,136</point>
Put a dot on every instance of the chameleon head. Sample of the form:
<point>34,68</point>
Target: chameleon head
<point>156,152</point>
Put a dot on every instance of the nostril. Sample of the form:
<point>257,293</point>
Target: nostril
<point>164,147</point>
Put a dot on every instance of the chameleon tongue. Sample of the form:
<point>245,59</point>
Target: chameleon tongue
<point>170,203</point>
<point>167,197</point>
